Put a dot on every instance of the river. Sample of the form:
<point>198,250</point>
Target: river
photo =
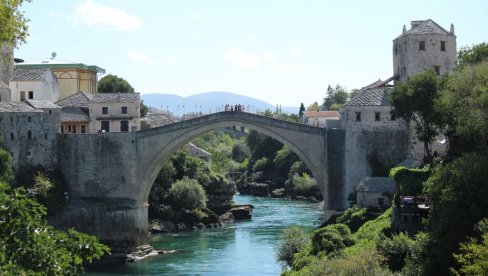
<point>243,248</point>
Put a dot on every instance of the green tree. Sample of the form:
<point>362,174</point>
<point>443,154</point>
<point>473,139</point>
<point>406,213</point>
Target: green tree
<point>188,194</point>
<point>415,99</point>
<point>293,239</point>
<point>302,109</point>
<point>14,28</point>
<point>335,98</point>
<point>475,54</point>
<point>114,84</point>
<point>313,107</point>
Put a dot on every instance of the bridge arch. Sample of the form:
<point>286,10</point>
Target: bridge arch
<point>156,145</point>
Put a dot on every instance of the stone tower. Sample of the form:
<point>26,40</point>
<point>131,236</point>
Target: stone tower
<point>425,46</point>
<point>6,62</point>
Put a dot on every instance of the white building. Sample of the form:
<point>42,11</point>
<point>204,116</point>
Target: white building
<point>34,84</point>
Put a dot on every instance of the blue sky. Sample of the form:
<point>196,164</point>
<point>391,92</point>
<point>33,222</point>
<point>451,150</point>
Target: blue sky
<point>280,51</point>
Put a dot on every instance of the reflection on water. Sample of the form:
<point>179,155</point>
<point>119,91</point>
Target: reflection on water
<point>244,248</point>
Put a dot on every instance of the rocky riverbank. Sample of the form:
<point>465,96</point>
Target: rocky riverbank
<point>270,189</point>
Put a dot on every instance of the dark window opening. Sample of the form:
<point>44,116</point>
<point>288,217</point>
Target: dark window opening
<point>124,126</point>
<point>381,202</point>
<point>31,95</point>
<point>437,70</point>
<point>29,135</point>
<point>358,116</point>
<point>104,109</point>
<point>377,116</point>
<point>421,45</point>
<point>443,46</point>
<point>105,126</point>
<point>124,109</point>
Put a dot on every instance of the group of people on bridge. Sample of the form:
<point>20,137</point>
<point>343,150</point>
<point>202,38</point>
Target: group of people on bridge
<point>237,107</point>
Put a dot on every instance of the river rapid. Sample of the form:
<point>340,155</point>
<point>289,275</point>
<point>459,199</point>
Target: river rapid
<point>244,248</point>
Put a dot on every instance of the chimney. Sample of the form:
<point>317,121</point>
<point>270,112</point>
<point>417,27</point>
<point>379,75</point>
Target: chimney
<point>416,23</point>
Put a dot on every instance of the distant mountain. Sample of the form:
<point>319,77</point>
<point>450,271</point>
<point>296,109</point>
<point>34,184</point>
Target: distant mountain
<point>208,102</point>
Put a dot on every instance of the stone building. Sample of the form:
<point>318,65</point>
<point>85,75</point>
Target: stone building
<point>29,131</point>
<point>426,45</point>
<point>317,118</point>
<point>34,84</point>
<point>72,76</point>
<point>101,112</point>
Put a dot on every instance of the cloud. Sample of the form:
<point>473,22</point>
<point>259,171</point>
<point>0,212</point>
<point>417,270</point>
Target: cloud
<point>139,57</point>
<point>99,16</point>
<point>242,58</point>
<point>197,15</point>
<point>288,68</point>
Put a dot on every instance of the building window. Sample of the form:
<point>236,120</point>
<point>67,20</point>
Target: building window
<point>381,201</point>
<point>124,126</point>
<point>358,116</point>
<point>437,70</point>
<point>31,95</point>
<point>421,45</point>
<point>443,46</point>
<point>29,134</point>
<point>22,95</point>
<point>83,129</point>
<point>377,116</point>
<point>105,126</point>
<point>104,109</point>
<point>124,109</point>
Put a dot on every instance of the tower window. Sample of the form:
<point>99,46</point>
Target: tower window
<point>358,116</point>
<point>443,46</point>
<point>437,70</point>
<point>377,116</point>
<point>421,45</point>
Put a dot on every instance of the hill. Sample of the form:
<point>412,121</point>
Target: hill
<point>208,102</point>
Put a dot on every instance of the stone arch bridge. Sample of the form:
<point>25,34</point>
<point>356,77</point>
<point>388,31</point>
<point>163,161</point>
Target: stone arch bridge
<point>109,175</point>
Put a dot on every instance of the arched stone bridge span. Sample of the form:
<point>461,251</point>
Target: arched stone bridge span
<point>109,175</point>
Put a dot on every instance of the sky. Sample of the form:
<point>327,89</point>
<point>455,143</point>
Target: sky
<point>281,51</point>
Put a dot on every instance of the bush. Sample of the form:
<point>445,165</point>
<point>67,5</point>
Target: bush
<point>293,239</point>
<point>302,185</point>
<point>331,238</point>
<point>188,194</point>
<point>354,218</point>
<point>395,250</point>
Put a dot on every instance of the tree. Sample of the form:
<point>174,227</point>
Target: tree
<point>14,28</point>
<point>415,99</point>
<point>114,84</point>
<point>335,98</point>
<point>302,109</point>
<point>313,107</point>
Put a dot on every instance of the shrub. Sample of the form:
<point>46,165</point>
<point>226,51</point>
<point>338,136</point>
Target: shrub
<point>395,250</point>
<point>293,239</point>
<point>187,193</point>
<point>354,218</point>
<point>331,238</point>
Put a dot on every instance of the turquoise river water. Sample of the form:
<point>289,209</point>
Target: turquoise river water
<point>243,248</point>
